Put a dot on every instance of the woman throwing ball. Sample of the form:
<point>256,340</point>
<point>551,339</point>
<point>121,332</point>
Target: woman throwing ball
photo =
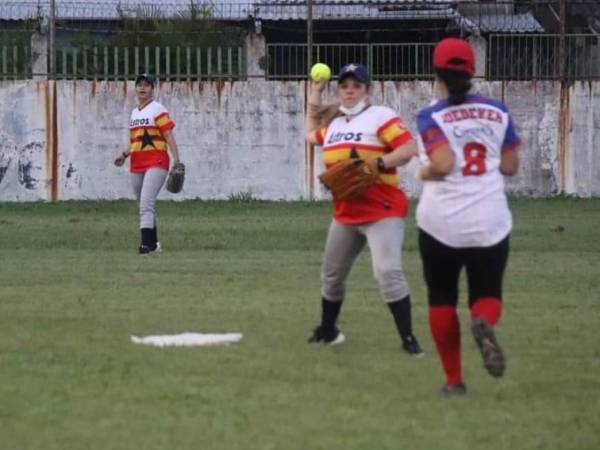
<point>376,136</point>
<point>463,215</point>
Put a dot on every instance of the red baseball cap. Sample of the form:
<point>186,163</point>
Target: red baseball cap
<point>454,54</point>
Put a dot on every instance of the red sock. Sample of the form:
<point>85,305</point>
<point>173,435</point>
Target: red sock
<point>445,329</point>
<point>488,308</point>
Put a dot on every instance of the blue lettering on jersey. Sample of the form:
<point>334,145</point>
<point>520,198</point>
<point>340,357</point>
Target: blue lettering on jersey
<point>342,136</point>
<point>139,122</point>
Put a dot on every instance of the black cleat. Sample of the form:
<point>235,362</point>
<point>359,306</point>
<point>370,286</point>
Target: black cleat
<point>493,358</point>
<point>454,389</point>
<point>331,336</point>
<point>412,347</point>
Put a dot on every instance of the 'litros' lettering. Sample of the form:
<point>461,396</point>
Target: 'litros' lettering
<point>139,122</point>
<point>341,136</point>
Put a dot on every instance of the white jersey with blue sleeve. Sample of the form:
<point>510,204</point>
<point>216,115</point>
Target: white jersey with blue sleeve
<point>469,207</point>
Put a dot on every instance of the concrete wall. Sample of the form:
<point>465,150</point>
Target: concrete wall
<point>247,137</point>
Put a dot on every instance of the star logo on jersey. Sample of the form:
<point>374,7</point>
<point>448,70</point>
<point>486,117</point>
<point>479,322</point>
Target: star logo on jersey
<point>147,140</point>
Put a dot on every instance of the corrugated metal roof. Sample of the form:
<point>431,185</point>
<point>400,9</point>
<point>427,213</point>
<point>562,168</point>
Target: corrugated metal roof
<point>223,9</point>
<point>352,9</point>
<point>275,10</point>
<point>112,9</point>
<point>502,23</point>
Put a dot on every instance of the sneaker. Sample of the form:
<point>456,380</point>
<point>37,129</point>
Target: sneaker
<point>327,336</point>
<point>412,347</point>
<point>146,249</point>
<point>493,358</point>
<point>454,389</point>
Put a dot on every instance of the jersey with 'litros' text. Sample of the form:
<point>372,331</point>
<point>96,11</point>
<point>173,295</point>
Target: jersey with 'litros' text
<point>148,146</point>
<point>372,133</point>
<point>468,208</point>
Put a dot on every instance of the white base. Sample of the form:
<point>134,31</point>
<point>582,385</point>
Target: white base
<point>188,339</point>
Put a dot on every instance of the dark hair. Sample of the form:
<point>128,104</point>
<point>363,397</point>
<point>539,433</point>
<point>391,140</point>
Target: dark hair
<point>458,84</point>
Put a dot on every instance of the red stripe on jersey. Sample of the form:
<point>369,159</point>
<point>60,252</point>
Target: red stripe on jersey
<point>430,133</point>
<point>429,149</point>
<point>142,161</point>
<point>349,145</point>
<point>144,127</point>
<point>401,140</point>
<point>320,136</point>
<point>392,121</point>
<point>168,126</point>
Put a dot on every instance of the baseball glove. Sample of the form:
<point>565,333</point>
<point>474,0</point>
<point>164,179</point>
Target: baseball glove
<point>350,178</point>
<point>176,177</point>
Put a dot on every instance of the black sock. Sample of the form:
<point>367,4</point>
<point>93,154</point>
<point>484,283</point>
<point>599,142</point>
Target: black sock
<point>401,311</point>
<point>329,313</point>
<point>147,235</point>
<point>154,235</point>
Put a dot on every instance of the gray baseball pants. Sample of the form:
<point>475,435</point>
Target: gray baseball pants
<point>345,242</point>
<point>146,187</point>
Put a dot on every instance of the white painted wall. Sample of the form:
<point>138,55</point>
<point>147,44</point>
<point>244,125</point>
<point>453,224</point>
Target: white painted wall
<point>247,137</point>
<point>23,138</point>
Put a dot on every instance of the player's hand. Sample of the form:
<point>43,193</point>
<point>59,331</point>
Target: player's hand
<point>318,86</point>
<point>120,160</point>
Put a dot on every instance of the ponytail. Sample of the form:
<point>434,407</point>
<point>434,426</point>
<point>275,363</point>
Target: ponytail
<point>458,84</point>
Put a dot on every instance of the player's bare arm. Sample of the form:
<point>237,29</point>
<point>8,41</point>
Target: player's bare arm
<point>509,162</point>
<point>311,124</point>
<point>172,145</point>
<point>442,162</point>
<point>401,155</point>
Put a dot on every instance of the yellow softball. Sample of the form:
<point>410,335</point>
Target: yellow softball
<point>320,72</point>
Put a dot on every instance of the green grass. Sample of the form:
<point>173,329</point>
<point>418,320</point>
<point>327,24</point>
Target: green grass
<point>72,291</point>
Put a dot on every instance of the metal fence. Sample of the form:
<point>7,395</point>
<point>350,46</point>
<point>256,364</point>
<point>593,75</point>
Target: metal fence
<point>118,63</point>
<point>543,57</point>
<point>166,63</point>
<point>15,61</point>
<point>385,61</point>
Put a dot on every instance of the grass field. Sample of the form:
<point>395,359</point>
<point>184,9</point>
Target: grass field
<point>73,290</point>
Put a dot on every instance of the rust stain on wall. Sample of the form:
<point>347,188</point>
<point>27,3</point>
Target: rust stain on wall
<point>564,125</point>
<point>50,107</point>
<point>48,114</point>
<point>219,85</point>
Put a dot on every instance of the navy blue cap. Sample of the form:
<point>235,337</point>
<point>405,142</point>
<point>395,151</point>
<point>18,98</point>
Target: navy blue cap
<point>145,77</point>
<point>357,71</point>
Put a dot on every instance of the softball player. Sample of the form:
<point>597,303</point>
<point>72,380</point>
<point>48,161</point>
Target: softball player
<point>151,138</point>
<point>463,215</point>
<point>377,216</point>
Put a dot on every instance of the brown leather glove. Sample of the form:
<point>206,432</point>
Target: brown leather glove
<point>176,178</point>
<point>348,179</point>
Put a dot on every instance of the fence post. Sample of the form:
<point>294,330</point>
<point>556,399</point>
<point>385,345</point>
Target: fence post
<point>51,43</point>
<point>561,44</point>
<point>39,56</point>
<point>479,45</point>
<point>309,156</point>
